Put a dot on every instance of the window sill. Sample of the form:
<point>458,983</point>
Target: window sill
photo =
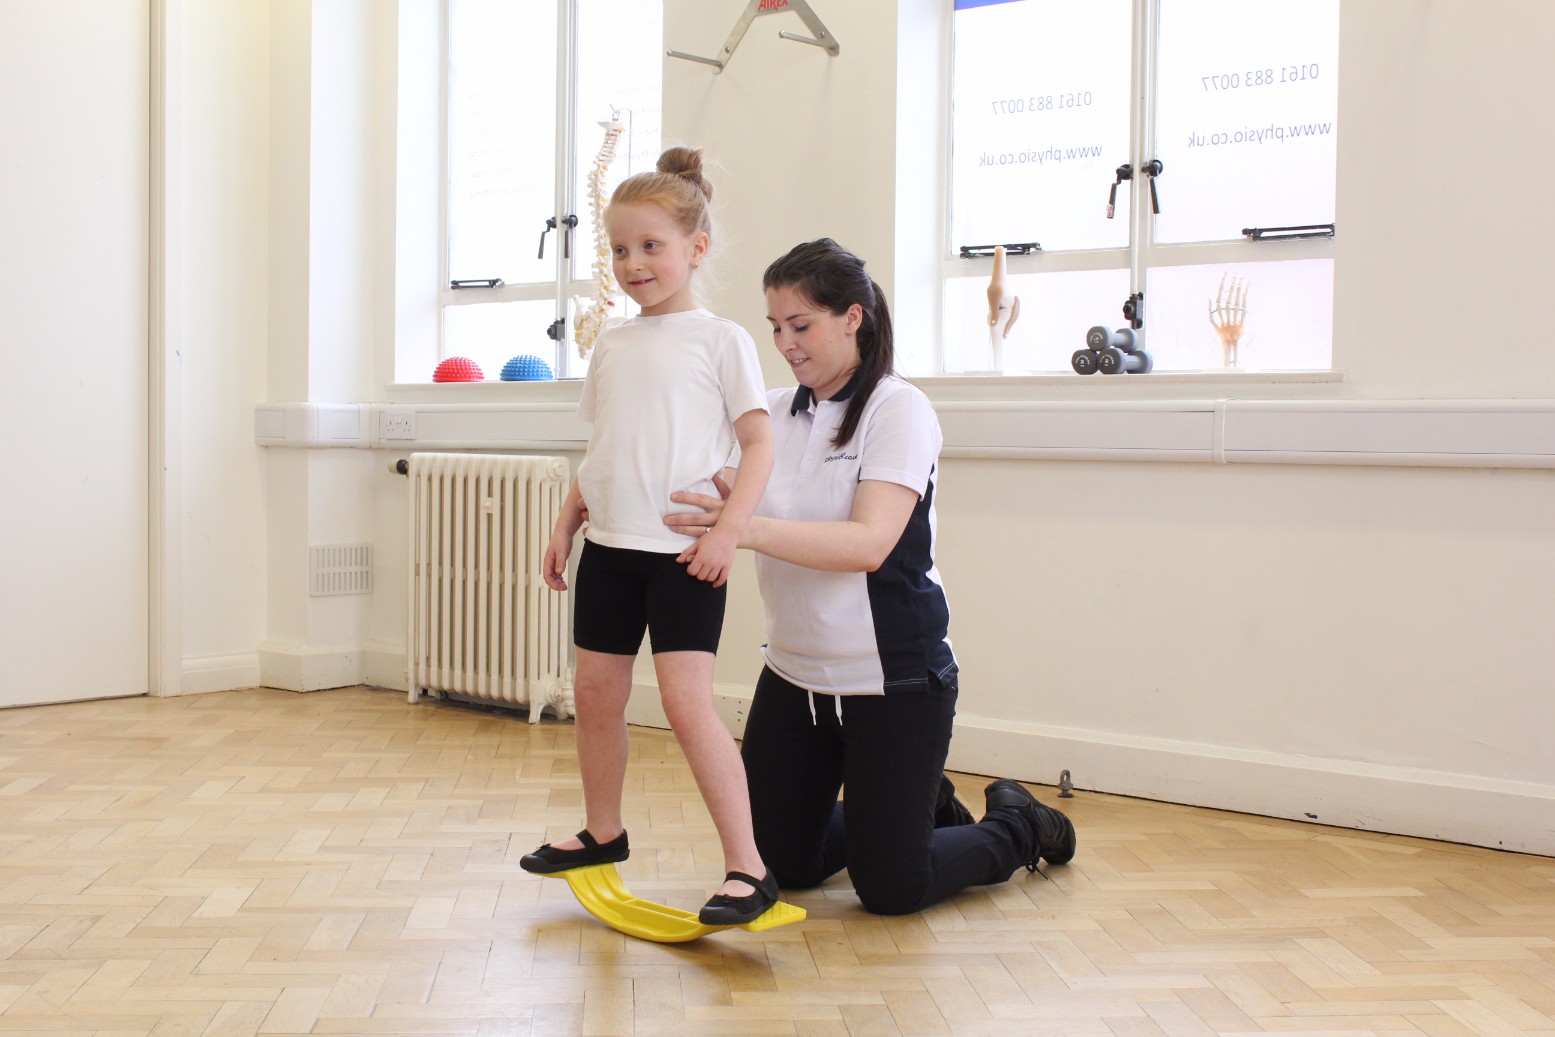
<point>1062,385</point>
<point>561,390</point>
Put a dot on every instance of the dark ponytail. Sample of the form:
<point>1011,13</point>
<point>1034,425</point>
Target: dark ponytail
<point>833,278</point>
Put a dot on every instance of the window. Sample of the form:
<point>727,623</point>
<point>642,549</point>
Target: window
<point>529,89</point>
<point>1181,149</point>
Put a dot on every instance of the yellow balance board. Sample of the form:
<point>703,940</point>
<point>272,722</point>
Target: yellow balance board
<point>600,890</point>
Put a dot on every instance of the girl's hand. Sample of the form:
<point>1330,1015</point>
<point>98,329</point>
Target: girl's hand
<point>554,566</point>
<point>710,558</point>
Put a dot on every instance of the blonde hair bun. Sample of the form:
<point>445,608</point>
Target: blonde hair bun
<point>677,186</point>
<point>686,163</point>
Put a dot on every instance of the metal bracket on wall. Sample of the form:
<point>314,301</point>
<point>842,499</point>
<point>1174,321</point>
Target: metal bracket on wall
<point>820,37</point>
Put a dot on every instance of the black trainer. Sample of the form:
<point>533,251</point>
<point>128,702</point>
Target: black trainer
<point>1053,830</point>
<point>722,909</point>
<point>948,810</point>
<point>547,860</point>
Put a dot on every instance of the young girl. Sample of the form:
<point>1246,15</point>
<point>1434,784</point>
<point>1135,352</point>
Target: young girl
<point>669,393</point>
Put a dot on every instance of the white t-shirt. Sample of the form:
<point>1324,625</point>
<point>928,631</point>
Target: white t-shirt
<point>663,394</point>
<point>855,633</point>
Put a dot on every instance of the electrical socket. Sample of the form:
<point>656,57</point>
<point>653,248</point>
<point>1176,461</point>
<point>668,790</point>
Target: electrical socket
<point>401,425</point>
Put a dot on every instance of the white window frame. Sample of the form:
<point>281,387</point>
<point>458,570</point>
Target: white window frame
<point>564,204</point>
<point>419,257</point>
<point>1142,254</point>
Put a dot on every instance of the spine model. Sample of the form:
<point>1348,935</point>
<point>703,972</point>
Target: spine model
<point>592,313</point>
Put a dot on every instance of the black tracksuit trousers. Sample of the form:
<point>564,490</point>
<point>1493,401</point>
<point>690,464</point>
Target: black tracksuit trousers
<point>886,756</point>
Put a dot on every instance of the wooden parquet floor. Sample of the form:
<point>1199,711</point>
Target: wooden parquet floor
<point>260,862</point>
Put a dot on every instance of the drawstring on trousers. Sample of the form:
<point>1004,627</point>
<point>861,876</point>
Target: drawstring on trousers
<point>836,700</point>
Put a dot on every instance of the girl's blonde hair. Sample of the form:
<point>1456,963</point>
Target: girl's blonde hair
<point>678,187</point>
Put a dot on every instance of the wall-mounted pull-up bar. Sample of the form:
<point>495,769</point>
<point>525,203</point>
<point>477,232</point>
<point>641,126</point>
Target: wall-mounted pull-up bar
<point>819,36</point>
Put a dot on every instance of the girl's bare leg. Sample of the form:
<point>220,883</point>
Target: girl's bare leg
<point>686,687</point>
<point>600,691</point>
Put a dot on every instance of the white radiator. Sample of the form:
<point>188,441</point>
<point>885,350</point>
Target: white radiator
<point>482,622</point>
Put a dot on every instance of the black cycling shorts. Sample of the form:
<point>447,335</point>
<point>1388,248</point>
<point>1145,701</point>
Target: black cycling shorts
<point>623,593</point>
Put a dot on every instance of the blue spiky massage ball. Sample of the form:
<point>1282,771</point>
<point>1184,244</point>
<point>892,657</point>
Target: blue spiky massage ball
<point>527,368</point>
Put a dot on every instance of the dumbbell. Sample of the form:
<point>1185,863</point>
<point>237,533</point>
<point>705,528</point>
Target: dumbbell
<point>1114,361</point>
<point>1084,361</point>
<point>1118,352</point>
<point>1125,339</point>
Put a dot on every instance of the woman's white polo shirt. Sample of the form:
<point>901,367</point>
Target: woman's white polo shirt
<point>855,633</point>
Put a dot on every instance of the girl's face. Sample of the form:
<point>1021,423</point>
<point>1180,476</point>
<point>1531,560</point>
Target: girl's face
<point>821,347</point>
<point>652,258</point>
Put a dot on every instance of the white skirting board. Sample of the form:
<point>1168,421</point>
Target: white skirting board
<point>384,665</point>
<point>294,667</point>
<point>219,673</point>
<point>644,709</point>
<point>1502,815</point>
<point>379,664</point>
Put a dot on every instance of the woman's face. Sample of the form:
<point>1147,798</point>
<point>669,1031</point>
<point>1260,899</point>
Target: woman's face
<point>821,347</point>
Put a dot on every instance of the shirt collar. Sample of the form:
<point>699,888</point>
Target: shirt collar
<point>804,399</point>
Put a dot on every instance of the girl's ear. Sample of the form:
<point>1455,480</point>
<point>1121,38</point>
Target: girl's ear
<point>699,245</point>
<point>854,318</point>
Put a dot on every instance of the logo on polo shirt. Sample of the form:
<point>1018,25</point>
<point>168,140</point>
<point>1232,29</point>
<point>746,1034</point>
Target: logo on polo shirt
<point>840,457</point>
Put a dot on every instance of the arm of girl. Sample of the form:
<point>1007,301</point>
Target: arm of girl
<point>568,522</point>
<point>711,557</point>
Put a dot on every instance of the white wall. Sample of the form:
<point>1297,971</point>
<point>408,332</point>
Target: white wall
<point>217,147</point>
<point>327,130</point>
<point>270,150</point>
<point>1441,249</point>
<point>1361,644</point>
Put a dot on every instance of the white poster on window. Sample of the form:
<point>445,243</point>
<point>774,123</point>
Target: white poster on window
<point>501,139</point>
<point>1246,115</point>
<point>1041,110</point>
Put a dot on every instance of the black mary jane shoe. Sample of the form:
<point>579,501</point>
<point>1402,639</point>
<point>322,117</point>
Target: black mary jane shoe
<point>548,859</point>
<point>723,909</point>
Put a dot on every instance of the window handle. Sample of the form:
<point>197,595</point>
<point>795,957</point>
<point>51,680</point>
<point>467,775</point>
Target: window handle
<point>1152,169</point>
<point>569,221</point>
<point>1303,230</point>
<point>1125,172</point>
<point>1019,248</point>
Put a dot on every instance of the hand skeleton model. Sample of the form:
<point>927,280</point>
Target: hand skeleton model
<point>1228,314</point>
<point>590,321</point>
<point>1003,309</point>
